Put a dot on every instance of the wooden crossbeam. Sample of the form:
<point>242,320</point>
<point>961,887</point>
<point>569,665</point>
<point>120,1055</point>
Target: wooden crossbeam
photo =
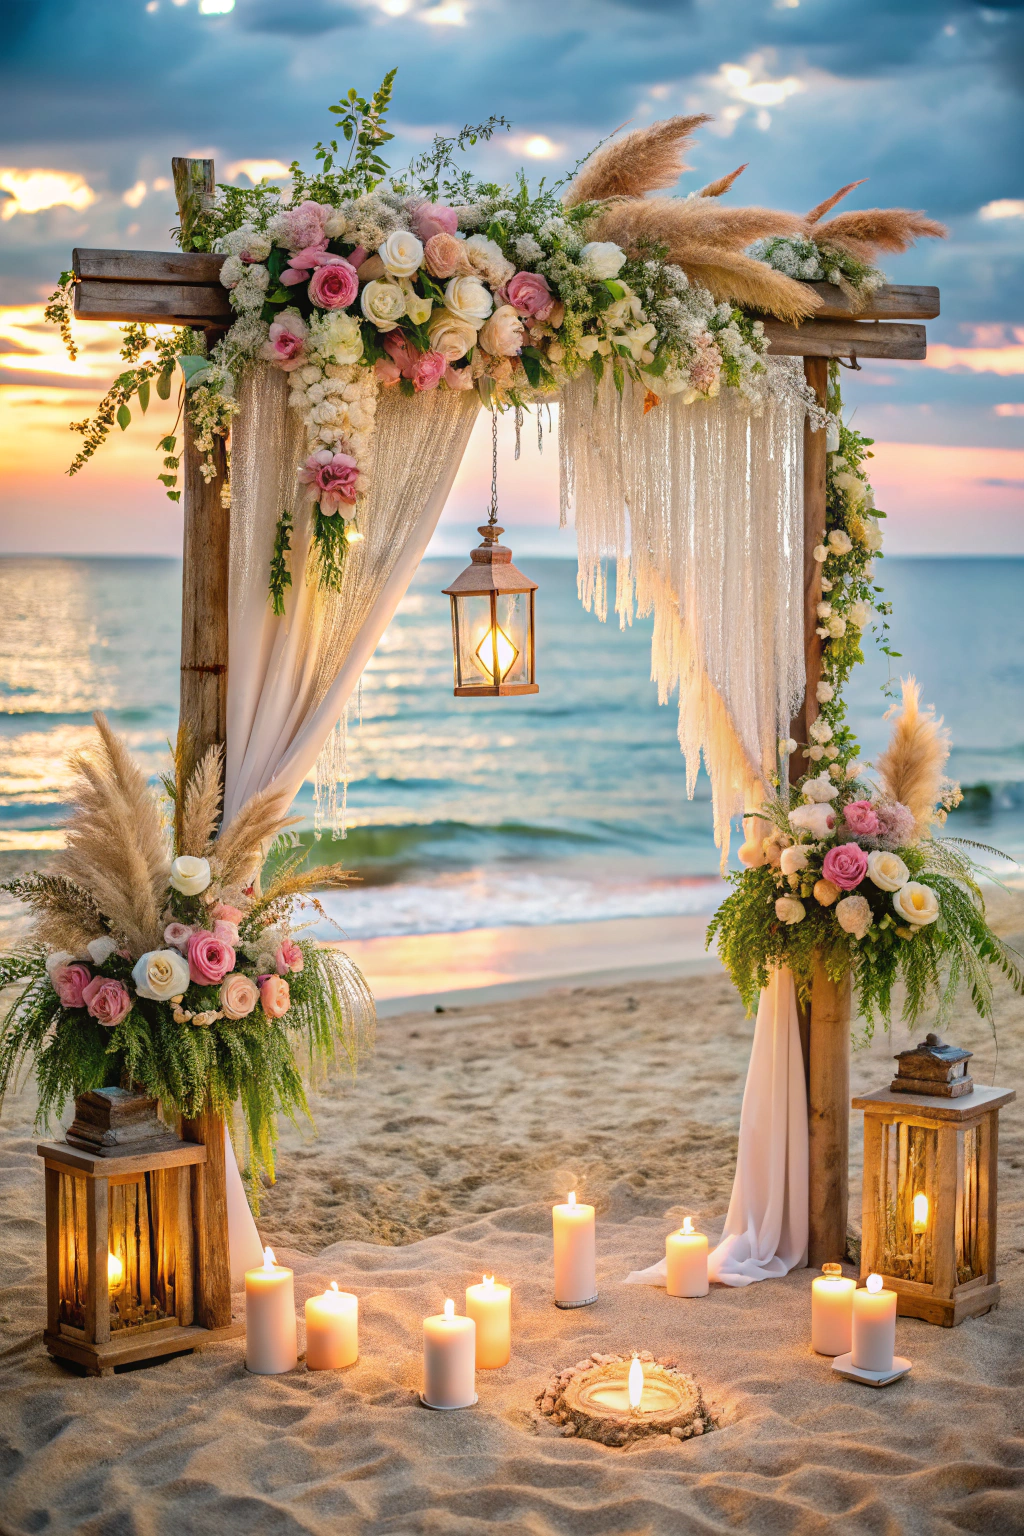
<point>846,338</point>
<point>893,301</point>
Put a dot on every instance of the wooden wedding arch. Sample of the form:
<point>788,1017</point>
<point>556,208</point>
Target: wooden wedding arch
<point>183,288</point>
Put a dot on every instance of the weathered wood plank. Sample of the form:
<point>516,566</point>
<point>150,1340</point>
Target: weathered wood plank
<point>212,1294</point>
<point>893,301</point>
<point>195,192</point>
<point>846,338</point>
<point>191,267</point>
<point>828,1119</point>
<point>153,303</point>
<point>57,1155</point>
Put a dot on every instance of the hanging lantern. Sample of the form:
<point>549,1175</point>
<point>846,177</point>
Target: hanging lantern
<point>930,1184</point>
<point>493,613</point>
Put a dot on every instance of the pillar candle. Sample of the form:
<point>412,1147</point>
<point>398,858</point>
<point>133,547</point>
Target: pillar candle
<point>449,1360</point>
<point>271,1344</point>
<point>332,1330</point>
<point>832,1311</point>
<point>575,1254</point>
<point>686,1259</point>
<point>874,1327</point>
<point>490,1307</point>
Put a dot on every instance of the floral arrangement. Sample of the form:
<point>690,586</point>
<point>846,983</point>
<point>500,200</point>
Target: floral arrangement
<point>157,962</point>
<point>848,872</point>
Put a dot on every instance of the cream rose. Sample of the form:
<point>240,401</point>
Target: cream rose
<point>793,860</point>
<point>839,542</point>
<point>602,259</point>
<point>450,336</point>
<point>239,995</point>
<point>469,300</point>
<point>190,876</point>
<point>853,915</point>
<point>383,303</point>
<point>887,870</point>
<point>917,904</point>
<point>502,334</point>
<point>401,253</point>
<point>819,789</point>
<point>872,537</point>
<point>161,974</point>
<point>860,614</point>
<point>790,909</point>
<point>338,336</point>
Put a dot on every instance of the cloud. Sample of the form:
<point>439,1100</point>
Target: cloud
<point>258,170</point>
<point>1003,208</point>
<point>535,146</point>
<point>32,191</point>
<point>1004,360</point>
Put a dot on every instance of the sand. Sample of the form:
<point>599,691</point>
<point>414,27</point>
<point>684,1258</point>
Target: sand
<point>441,1161</point>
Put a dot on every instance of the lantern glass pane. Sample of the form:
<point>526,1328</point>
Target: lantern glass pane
<point>969,1262</point>
<point>492,652</point>
<point>908,1167</point>
<point>513,613</point>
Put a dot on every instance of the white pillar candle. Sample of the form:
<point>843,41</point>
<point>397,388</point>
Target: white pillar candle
<point>686,1260</point>
<point>575,1254</point>
<point>490,1307</point>
<point>332,1330</point>
<point>271,1344</point>
<point>449,1360</point>
<point>832,1311</point>
<point>874,1327</point>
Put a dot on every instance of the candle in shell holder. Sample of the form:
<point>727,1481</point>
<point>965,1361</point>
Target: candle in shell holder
<point>618,1399</point>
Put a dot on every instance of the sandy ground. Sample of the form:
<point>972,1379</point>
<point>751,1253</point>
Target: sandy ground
<point>441,1161</point>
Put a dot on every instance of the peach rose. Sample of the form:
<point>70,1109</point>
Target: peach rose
<point>502,334</point>
<point>275,996</point>
<point>239,995</point>
<point>443,256</point>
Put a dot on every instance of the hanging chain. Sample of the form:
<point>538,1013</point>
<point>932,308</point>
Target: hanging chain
<point>493,517</point>
<point>519,426</point>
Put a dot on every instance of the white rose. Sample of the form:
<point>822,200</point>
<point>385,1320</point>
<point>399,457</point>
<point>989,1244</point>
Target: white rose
<point>839,542</point>
<point>449,335</point>
<point>820,553</point>
<point>818,820</point>
<point>872,538</point>
<point>340,337</point>
<point>100,950</point>
<point>836,627</point>
<point>917,904</point>
<point>831,753</point>
<point>468,299</point>
<point>190,876</point>
<point>793,860</point>
<point>821,731</point>
<point>852,485</point>
<point>819,789</point>
<point>401,253</point>
<point>824,610</point>
<point>853,915</point>
<point>57,959</point>
<point>161,974</point>
<point>824,693</point>
<point>790,909</point>
<point>860,614</point>
<point>383,303</point>
<point>887,870</point>
<point>752,855</point>
<point>485,257</point>
<point>815,753</point>
<point>602,258</point>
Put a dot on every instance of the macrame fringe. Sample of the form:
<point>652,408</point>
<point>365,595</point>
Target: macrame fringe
<point>332,771</point>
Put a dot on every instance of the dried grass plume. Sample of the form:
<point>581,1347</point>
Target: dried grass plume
<point>911,767</point>
<point>644,161</point>
<point>716,188</point>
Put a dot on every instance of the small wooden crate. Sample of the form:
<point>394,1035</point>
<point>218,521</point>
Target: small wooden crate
<point>947,1150</point>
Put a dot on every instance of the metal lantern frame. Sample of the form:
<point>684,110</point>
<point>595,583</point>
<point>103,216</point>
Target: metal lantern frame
<point>491,576</point>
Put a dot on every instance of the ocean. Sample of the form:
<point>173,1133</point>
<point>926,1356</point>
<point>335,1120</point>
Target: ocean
<point>566,806</point>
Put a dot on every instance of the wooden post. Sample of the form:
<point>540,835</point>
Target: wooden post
<point>828,1119</point>
<point>204,679</point>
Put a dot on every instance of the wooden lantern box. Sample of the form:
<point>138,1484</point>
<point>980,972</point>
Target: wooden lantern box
<point>121,1198</point>
<point>930,1186</point>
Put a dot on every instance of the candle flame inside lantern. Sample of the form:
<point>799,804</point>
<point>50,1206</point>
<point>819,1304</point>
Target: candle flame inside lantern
<point>920,1213</point>
<point>269,1261</point>
<point>572,1197</point>
<point>687,1227</point>
<point>494,641</point>
<point>449,1308</point>
<point>636,1382</point>
<point>115,1269</point>
<point>874,1284</point>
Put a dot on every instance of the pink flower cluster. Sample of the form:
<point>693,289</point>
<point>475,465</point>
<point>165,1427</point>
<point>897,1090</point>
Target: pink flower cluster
<point>424,369</point>
<point>108,1001</point>
<point>209,958</point>
<point>845,865</point>
<point>861,818</point>
<point>335,476</point>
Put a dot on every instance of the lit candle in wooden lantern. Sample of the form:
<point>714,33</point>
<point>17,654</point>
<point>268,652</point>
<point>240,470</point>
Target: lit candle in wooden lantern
<point>686,1261</point>
<point>271,1343</point>
<point>332,1330</point>
<point>575,1253</point>
<point>920,1221</point>
<point>490,1307</point>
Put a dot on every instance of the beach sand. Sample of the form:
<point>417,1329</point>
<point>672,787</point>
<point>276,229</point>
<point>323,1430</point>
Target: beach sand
<point>441,1162</point>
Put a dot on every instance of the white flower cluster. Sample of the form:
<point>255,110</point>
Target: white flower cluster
<point>338,404</point>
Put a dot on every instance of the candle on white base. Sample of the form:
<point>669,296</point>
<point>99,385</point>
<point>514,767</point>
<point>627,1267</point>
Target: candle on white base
<point>874,1327</point>
<point>449,1360</point>
<point>575,1253</point>
<point>686,1260</point>
<point>332,1330</point>
<point>832,1311</point>
<point>271,1344</point>
<point>490,1307</point>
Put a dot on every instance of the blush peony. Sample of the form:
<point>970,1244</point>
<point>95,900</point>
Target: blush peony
<point>444,256</point>
<point>861,819</point>
<point>529,293</point>
<point>845,865</point>
<point>178,935</point>
<point>286,345</point>
<point>431,219</point>
<point>70,982</point>
<point>502,334</point>
<point>334,475</point>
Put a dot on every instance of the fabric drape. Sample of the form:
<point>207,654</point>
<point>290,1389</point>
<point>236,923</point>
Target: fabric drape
<point>765,1233</point>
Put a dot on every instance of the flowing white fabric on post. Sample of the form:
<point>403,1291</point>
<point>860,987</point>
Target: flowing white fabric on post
<point>765,1232</point>
<point>290,678</point>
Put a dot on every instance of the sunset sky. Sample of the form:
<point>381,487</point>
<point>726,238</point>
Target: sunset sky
<point>922,97</point>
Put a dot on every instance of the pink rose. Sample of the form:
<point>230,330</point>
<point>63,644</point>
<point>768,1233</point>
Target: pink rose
<point>443,256</point>
<point>529,293</point>
<point>107,1000</point>
<point>228,913</point>
<point>387,370</point>
<point>845,866</point>
<point>287,342</point>
<point>861,819</point>
<point>225,931</point>
<point>239,995</point>
<point>334,475</point>
<point>177,935</point>
<point>458,378</point>
<point>209,958</point>
<point>305,225</point>
<point>502,334</point>
<point>427,371</point>
<point>334,285</point>
<point>431,219</point>
<point>289,957</point>
<point>70,982</point>
<point>275,996</point>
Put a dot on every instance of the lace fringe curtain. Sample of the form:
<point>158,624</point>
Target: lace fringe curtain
<point>701,507</point>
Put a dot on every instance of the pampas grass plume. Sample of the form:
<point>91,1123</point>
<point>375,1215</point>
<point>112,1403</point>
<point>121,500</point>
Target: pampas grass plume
<point>645,160</point>
<point>716,188</point>
<point>911,767</point>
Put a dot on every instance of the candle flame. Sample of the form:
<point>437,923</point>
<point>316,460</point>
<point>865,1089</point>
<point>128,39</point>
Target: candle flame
<point>269,1261</point>
<point>920,1213</point>
<point>874,1284</point>
<point>687,1227</point>
<point>449,1308</point>
<point>334,1286</point>
<point>572,1197</point>
<point>115,1269</point>
<point>488,1281</point>
<point>636,1382</point>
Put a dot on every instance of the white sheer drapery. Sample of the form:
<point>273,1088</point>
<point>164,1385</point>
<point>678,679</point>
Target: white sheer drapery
<point>701,506</point>
<point>765,1232</point>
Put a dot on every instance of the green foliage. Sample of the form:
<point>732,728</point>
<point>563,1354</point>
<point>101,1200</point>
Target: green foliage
<point>280,575</point>
<point>330,545</point>
<point>425,173</point>
<point>60,307</point>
